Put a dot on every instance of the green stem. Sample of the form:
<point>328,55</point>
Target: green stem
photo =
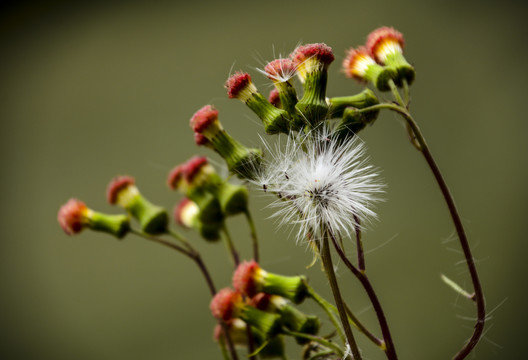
<point>231,246</point>
<point>195,256</point>
<point>328,309</point>
<point>331,310</point>
<point>359,244</point>
<point>254,237</point>
<point>326,258</point>
<point>355,321</point>
<point>396,93</point>
<point>316,339</point>
<point>182,239</point>
<point>365,282</point>
<point>406,93</point>
<point>453,211</point>
<point>223,348</point>
<point>319,354</point>
<point>479,295</point>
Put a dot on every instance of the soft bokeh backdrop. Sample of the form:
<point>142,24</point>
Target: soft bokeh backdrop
<point>91,91</point>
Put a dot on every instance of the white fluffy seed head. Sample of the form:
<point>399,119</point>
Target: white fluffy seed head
<point>322,183</point>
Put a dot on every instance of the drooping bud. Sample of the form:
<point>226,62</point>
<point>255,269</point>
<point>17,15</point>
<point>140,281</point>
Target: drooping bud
<point>386,46</point>
<point>228,304</point>
<point>281,71</point>
<point>249,278</point>
<point>240,160</point>
<point>359,64</point>
<point>74,216</point>
<point>311,62</point>
<point>239,86</point>
<point>122,191</point>
<point>291,317</point>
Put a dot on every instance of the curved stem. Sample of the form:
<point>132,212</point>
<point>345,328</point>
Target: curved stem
<point>359,244</point>
<point>395,92</point>
<point>181,239</point>
<point>362,277</point>
<point>326,258</point>
<point>196,257</point>
<point>355,321</point>
<point>254,237</point>
<point>479,295</point>
<point>316,339</point>
<point>477,287</point>
<point>328,309</point>
<point>231,246</point>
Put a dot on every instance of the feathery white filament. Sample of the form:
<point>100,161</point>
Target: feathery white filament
<point>322,183</point>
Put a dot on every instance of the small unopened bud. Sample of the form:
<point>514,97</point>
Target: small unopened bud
<point>249,278</point>
<point>188,214</point>
<point>239,86</point>
<point>311,62</point>
<point>122,191</point>
<point>386,46</point>
<point>228,304</point>
<point>176,180</point>
<point>240,160</point>
<point>291,317</point>
<point>200,179</point>
<point>359,64</point>
<point>74,216</point>
<point>274,98</point>
<point>281,71</point>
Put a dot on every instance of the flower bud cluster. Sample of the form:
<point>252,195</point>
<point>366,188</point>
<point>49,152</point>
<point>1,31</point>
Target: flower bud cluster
<point>208,197</point>
<point>380,61</point>
<point>264,301</point>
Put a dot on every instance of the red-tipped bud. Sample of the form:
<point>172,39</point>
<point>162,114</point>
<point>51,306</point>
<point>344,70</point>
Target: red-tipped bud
<point>203,118</point>
<point>238,84</point>
<point>176,177</point>
<point>280,70</point>
<point>274,98</point>
<point>118,184</point>
<point>186,212</point>
<point>319,52</point>
<point>244,277</point>
<point>193,167</point>
<point>200,139</point>
<point>72,216</point>
<point>261,301</point>
<point>224,303</point>
<point>383,41</point>
<point>356,63</point>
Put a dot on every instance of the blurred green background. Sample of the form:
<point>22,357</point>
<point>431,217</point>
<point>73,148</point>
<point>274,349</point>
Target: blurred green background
<point>91,91</point>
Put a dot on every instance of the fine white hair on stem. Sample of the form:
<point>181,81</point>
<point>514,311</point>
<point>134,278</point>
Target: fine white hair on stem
<point>322,181</point>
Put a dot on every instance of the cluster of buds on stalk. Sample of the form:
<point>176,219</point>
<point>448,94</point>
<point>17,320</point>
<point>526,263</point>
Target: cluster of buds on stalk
<point>322,183</point>
<point>265,302</point>
<point>208,200</point>
<point>380,61</point>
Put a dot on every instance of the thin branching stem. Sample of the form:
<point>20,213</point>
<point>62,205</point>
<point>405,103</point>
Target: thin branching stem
<point>359,244</point>
<point>193,254</point>
<point>326,258</point>
<point>453,211</point>
<point>363,279</point>
<point>316,339</point>
<point>231,246</point>
<point>254,237</point>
